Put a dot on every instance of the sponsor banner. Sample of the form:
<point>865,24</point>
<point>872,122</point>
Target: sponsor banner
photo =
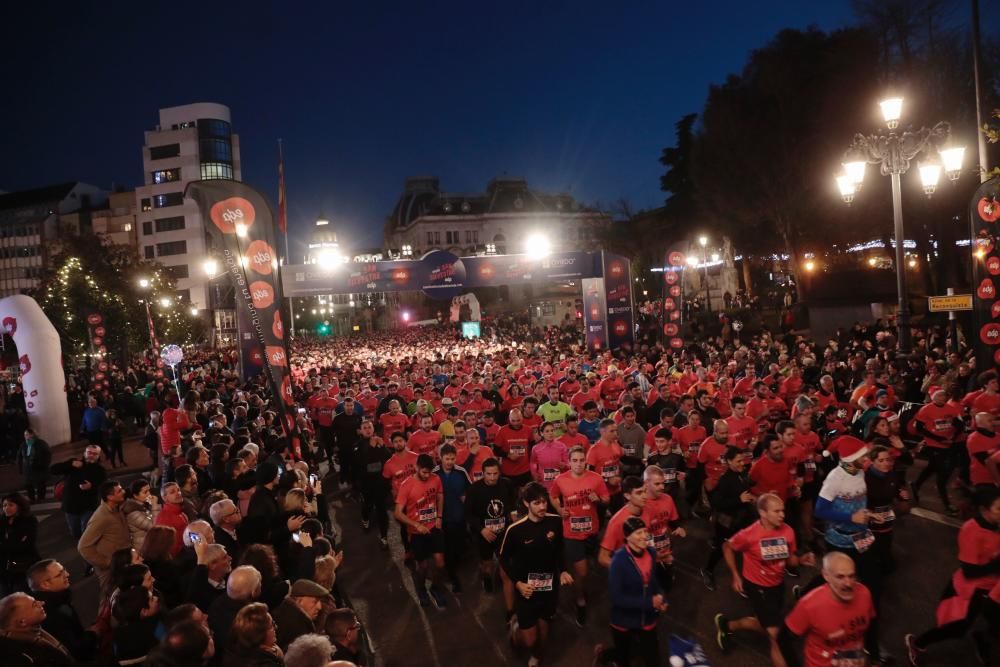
<point>95,336</point>
<point>439,274</point>
<point>239,221</point>
<point>673,297</point>
<point>595,314</point>
<point>618,293</point>
<point>984,211</point>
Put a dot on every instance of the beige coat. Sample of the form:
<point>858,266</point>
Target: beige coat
<point>106,533</point>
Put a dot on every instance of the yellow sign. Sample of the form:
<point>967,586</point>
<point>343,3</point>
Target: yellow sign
<point>942,304</point>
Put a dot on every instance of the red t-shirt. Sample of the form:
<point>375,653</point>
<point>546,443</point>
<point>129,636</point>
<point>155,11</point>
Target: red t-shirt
<point>614,534</point>
<point>986,403</point>
<point>323,409</point>
<point>424,442</point>
<point>764,552</point>
<point>940,421</point>
<point>605,460</point>
<point>834,629</point>
<point>771,476</point>
<point>573,494</point>
<point>741,431</point>
<point>711,454</point>
<point>810,446</point>
<point>576,439</point>
<point>399,468</point>
<point>517,441</point>
<point>392,423</point>
<point>419,500</point>
<point>658,514</point>
<point>611,390</point>
<point>689,439</point>
<point>475,467</point>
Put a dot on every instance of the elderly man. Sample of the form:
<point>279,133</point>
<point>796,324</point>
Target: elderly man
<point>209,579</point>
<point>312,650</point>
<point>81,478</point>
<point>242,588</point>
<point>296,615</point>
<point>49,583</point>
<point>22,639</point>
<point>106,533</point>
<point>226,517</point>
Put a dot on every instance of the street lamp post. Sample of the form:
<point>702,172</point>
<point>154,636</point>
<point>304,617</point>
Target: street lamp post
<point>703,242</point>
<point>893,151</point>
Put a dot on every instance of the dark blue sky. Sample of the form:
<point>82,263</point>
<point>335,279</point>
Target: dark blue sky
<point>578,96</point>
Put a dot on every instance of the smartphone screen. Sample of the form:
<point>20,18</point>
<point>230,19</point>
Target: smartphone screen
<point>194,537</point>
<point>312,480</point>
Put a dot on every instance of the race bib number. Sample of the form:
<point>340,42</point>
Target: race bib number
<point>375,466</point>
<point>540,581</point>
<point>629,450</point>
<point>863,540</point>
<point>849,658</point>
<point>549,474</point>
<point>883,514</point>
<point>519,450</point>
<point>427,515</point>
<point>580,524</point>
<point>693,448</point>
<point>496,525</point>
<point>669,475</point>
<point>774,548</point>
<point>660,543</point>
<point>942,425</point>
<point>810,465</point>
<point>607,472</point>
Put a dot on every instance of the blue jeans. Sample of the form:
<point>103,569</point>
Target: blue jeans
<point>77,523</point>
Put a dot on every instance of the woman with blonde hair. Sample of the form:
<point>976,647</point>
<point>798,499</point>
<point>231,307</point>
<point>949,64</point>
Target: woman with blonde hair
<point>253,641</point>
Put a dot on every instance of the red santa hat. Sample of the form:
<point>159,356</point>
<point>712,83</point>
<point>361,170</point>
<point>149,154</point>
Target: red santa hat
<point>848,448</point>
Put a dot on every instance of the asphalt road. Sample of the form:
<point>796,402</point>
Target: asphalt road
<point>472,631</point>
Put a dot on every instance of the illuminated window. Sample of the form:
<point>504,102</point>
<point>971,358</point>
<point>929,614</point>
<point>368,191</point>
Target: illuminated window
<point>214,171</point>
<point>167,175</point>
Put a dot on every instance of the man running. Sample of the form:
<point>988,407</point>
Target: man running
<point>532,556</point>
<point>662,521</point>
<point>420,506</point>
<point>489,509</point>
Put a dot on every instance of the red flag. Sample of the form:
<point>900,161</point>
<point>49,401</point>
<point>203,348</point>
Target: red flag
<point>282,215</point>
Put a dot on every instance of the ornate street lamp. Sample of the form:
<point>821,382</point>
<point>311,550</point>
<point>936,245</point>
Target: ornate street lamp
<point>893,151</point>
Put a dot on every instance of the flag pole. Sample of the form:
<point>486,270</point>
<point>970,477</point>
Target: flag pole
<point>283,223</point>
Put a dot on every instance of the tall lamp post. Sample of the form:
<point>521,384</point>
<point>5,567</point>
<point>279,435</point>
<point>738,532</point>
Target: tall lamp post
<point>703,242</point>
<point>893,151</point>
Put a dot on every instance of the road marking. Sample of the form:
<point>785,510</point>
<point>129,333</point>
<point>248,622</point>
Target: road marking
<point>936,517</point>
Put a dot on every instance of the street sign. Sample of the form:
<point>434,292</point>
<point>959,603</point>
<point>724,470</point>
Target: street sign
<point>942,304</point>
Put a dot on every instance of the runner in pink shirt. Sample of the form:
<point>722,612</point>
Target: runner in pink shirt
<point>549,457</point>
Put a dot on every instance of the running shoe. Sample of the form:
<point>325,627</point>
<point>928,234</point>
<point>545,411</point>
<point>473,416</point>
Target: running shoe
<point>384,543</point>
<point>581,615</point>
<point>912,650</point>
<point>708,579</point>
<point>722,632</point>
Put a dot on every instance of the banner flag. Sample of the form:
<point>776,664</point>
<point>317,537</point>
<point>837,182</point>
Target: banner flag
<point>239,222</point>
<point>595,311</point>
<point>618,290</point>
<point>672,313</point>
<point>984,212</point>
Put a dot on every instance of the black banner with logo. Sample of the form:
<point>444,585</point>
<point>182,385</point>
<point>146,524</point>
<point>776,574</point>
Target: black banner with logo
<point>984,211</point>
<point>240,223</point>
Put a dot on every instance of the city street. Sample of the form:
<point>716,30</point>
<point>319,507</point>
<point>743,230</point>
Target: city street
<point>472,629</point>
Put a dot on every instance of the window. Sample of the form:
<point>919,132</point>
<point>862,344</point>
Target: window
<point>211,128</point>
<point>145,204</point>
<point>177,272</point>
<point>437,238</point>
<point>472,236</point>
<point>149,252</point>
<point>225,319</point>
<point>171,248</point>
<point>147,229</point>
<point>216,150</point>
<point>169,199</point>
<point>181,126</point>
<point>430,238</point>
<point>167,175</point>
<point>170,224</point>
<point>163,152</point>
<point>212,171</point>
<point>451,237</point>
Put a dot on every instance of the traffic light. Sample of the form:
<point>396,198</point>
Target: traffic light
<point>323,329</point>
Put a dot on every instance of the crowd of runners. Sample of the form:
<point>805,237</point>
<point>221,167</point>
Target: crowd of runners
<point>549,465</point>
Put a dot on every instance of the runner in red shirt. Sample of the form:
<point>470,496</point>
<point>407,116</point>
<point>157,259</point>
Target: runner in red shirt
<point>576,494</point>
<point>767,545</point>
<point>472,454</point>
<point>513,447</point>
<point>604,457</point>
<point>573,438</point>
<point>394,420</point>
<point>742,429</point>
<point>987,400</point>
<point>711,454</point>
<point>426,440</point>
<point>982,445</point>
<point>771,473</point>
<point>666,421</point>
<point>420,507</point>
<point>662,522</point>
<point>834,619</point>
<point>939,423</point>
<point>634,492</point>
<point>401,465</point>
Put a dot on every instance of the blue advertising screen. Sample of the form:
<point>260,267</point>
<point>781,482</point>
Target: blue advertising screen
<point>470,329</point>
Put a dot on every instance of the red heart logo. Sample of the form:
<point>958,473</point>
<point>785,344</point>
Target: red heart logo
<point>988,209</point>
<point>990,334</point>
<point>993,265</point>
<point>676,343</point>
<point>986,290</point>
<point>25,364</point>
<point>10,325</point>
<point>230,212</point>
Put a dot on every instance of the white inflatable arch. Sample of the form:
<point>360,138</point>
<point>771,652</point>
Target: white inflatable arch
<point>42,375</point>
<point>469,300</point>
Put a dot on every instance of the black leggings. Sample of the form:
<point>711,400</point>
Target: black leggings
<point>373,501</point>
<point>649,646</point>
<point>956,629</point>
<point>940,463</point>
<point>720,535</point>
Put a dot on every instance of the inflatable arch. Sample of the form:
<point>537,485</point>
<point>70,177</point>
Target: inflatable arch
<point>469,300</point>
<point>42,375</point>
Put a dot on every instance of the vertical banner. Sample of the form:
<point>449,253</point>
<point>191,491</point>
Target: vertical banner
<point>618,290</point>
<point>984,213</point>
<point>240,223</point>
<point>673,299</point>
<point>595,314</point>
<point>98,350</point>
<point>251,358</point>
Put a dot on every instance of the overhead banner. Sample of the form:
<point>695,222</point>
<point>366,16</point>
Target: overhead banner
<point>595,311</point>
<point>618,290</point>
<point>240,224</point>
<point>984,211</point>
<point>439,274</point>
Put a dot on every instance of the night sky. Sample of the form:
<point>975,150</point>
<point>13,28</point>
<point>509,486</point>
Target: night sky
<point>575,96</point>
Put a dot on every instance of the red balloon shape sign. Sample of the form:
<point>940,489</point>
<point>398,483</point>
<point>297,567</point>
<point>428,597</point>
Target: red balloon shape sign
<point>990,334</point>
<point>995,310</point>
<point>677,343</point>
<point>675,290</point>
<point>229,213</point>
<point>988,209</point>
<point>675,258</point>
<point>986,290</point>
<point>260,256</point>
<point>670,329</point>
<point>671,277</point>
<point>993,265</point>
<point>94,319</point>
